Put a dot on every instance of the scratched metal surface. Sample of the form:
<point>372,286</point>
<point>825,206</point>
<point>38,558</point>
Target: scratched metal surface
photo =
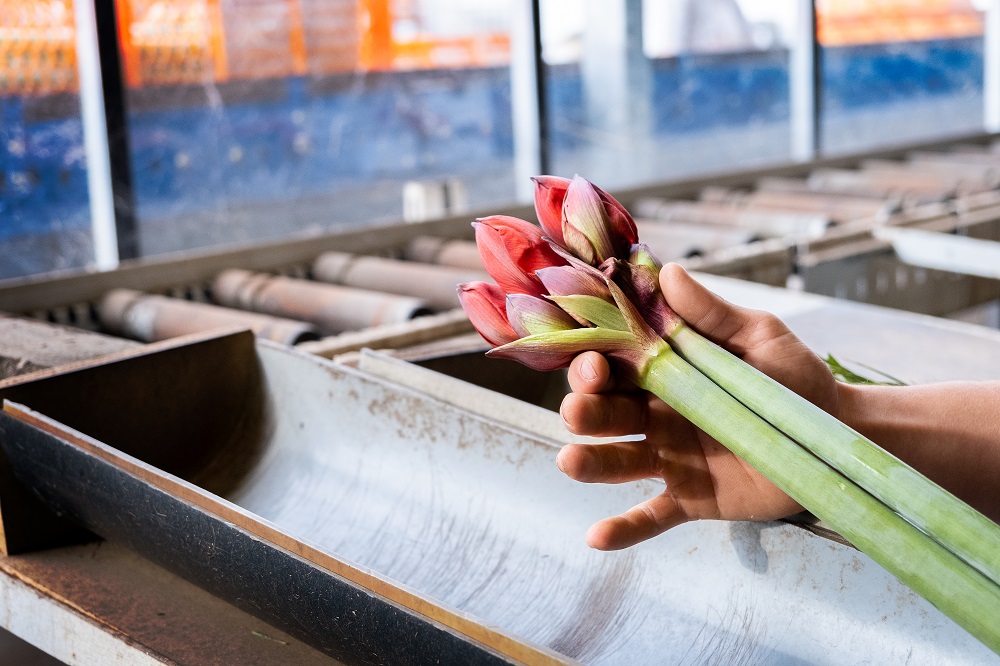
<point>478,517</point>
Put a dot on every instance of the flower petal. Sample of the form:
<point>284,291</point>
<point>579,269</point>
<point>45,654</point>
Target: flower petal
<point>512,250</point>
<point>571,281</point>
<point>550,351</point>
<point>586,228</point>
<point>550,191</point>
<point>529,315</point>
<point>644,336</point>
<point>592,309</point>
<point>641,286</point>
<point>486,306</point>
<point>623,229</point>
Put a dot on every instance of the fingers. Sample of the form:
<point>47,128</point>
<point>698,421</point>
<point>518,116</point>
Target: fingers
<point>590,373</point>
<point>643,521</point>
<point>608,463</point>
<point>610,415</point>
<point>711,315</point>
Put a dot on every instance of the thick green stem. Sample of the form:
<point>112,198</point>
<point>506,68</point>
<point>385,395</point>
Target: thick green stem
<point>957,589</point>
<point>957,526</point>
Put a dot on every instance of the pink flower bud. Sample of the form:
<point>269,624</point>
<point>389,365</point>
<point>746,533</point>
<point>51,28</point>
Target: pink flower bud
<point>486,306</point>
<point>595,226</point>
<point>529,315</point>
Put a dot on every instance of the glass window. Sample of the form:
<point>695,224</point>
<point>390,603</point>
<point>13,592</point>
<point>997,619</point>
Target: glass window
<point>640,92</point>
<point>252,119</point>
<point>44,221</point>
<point>899,70</point>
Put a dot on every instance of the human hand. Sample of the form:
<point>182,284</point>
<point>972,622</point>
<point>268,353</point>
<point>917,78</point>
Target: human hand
<point>704,479</point>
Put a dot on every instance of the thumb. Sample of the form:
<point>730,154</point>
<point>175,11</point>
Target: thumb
<point>711,315</point>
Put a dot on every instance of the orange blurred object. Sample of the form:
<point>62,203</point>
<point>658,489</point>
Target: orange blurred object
<point>207,41</point>
<point>37,47</point>
<point>381,50</point>
<point>846,22</point>
<point>197,42</point>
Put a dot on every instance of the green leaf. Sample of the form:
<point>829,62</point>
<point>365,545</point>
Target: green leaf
<point>595,310</point>
<point>848,376</point>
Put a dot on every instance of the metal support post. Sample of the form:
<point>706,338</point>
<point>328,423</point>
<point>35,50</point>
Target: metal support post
<point>116,117</point>
<point>95,138</point>
<point>527,98</point>
<point>804,77</point>
<point>617,89</point>
<point>991,67</point>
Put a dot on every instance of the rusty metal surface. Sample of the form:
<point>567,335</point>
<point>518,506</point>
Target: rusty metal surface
<point>331,308</point>
<point>27,345</point>
<point>151,318</point>
<point>148,606</point>
<point>437,285</point>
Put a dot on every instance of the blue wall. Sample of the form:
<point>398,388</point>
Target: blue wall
<point>301,141</point>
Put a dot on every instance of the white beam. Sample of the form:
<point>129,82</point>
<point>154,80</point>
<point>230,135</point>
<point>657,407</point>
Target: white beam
<point>945,252</point>
<point>95,138</point>
<point>524,101</point>
<point>991,67</point>
<point>802,84</point>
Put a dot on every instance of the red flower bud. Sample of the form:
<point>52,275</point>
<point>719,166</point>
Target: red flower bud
<point>486,306</point>
<point>550,191</point>
<point>512,250</point>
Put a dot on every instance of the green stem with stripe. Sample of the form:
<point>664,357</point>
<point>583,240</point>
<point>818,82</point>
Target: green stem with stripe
<point>959,590</point>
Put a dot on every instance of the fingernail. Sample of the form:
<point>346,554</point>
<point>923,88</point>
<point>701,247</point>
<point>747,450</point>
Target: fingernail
<point>559,462</point>
<point>587,371</point>
<point>563,416</point>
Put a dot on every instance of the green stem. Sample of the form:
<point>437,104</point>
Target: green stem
<point>964,594</point>
<point>956,525</point>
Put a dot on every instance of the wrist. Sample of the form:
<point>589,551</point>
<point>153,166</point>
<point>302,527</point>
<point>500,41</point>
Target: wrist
<point>853,406</point>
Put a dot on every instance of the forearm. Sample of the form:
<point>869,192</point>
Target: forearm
<point>949,432</point>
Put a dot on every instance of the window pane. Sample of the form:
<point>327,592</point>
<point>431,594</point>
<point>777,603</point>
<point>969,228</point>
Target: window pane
<point>44,221</point>
<point>256,118</point>
<point>645,91</point>
<point>899,70</point>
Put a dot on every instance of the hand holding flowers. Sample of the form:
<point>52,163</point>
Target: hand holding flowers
<point>584,284</point>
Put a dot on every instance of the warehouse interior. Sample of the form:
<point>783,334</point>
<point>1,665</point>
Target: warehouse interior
<point>248,411</point>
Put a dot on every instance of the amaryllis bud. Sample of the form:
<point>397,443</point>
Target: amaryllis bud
<point>550,351</point>
<point>641,255</point>
<point>529,315</point>
<point>595,226</point>
<point>486,306</point>
<point>550,191</point>
<point>512,250</point>
<point>571,281</point>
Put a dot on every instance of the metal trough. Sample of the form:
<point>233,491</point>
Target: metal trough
<point>383,525</point>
